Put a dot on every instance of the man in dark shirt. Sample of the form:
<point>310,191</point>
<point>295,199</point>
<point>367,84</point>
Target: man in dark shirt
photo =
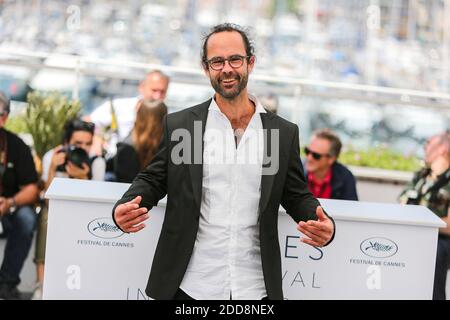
<point>327,178</point>
<point>18,192</point>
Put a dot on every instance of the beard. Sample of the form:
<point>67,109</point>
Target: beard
<point>230,93</point>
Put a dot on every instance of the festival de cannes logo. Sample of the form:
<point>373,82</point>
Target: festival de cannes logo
<point>379,247</point>
<point>104,228</point>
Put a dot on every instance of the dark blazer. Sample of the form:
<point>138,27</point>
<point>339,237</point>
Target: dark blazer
<point>343,183</point>
<point>183,185</point>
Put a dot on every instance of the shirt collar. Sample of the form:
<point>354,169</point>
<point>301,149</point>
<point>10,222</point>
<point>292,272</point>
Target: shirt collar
<point>258,106</point>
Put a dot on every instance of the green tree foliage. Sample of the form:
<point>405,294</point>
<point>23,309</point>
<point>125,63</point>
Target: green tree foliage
<point>16,124</point>
<point>380,157</point>
<point>45,117</point>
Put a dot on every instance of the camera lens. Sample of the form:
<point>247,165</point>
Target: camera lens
<point>77,156</point>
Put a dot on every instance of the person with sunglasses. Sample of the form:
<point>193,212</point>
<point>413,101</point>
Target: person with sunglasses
<point>327,178</point>
<point>18,193</point>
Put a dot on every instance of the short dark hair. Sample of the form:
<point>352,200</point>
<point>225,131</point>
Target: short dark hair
<point>335,142</point>
<point>228,27</point>
<point>5,104</point>
<point>77,125</point>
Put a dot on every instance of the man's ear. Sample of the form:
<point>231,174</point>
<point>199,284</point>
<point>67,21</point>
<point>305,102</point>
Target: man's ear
<point>251,63</point>
<point>205,69</point>
<point>332,160</point>
<point>141,87</point>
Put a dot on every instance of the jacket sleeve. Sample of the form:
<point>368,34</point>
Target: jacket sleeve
<point>151,182</point>
<point>298,202</point>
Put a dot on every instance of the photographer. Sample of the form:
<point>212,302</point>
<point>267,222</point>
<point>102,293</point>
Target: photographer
<point>430,187</point>
<point>78,137</point>
<point>18,193</point>
<point>69,160</point>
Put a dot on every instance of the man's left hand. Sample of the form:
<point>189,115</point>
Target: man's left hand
<point>318,233</point>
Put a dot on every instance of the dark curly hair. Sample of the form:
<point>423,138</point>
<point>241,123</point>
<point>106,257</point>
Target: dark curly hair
<point>228,27</point>
<point>77,125</point>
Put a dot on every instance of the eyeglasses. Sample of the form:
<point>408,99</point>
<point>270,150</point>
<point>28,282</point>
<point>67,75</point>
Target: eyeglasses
<point>218,63</point>
<point>315,155</point>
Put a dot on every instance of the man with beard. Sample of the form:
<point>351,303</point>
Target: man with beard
<point>219,239</point>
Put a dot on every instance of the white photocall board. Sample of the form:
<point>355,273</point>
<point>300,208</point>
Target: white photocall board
<point>381,251</point>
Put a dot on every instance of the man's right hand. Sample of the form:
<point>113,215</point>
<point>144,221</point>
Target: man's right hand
<point>129,216</point>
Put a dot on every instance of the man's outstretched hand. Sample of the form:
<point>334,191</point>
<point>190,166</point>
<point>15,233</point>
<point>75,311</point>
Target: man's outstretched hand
<point>318,233</point>
<point>129,216</point>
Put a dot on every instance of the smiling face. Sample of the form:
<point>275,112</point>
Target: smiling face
<point>228,82</point>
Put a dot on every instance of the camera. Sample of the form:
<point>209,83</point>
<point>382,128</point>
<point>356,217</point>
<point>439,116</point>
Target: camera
<point>413,197</point>
<point>76,155</point>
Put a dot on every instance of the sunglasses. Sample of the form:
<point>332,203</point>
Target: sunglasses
<point>315,155</point>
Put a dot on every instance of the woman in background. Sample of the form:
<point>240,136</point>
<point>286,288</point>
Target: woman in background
<point>137,150</point>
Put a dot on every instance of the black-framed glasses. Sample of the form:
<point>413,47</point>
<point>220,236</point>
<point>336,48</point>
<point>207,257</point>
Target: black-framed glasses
<point>315,155</point>
<point>217,63</point>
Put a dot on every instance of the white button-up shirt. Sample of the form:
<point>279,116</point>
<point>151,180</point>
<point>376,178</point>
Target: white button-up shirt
<point>226,260</point>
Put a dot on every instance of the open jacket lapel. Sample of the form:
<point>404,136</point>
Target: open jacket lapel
<point>197,116</point>
<point>266,180</point>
